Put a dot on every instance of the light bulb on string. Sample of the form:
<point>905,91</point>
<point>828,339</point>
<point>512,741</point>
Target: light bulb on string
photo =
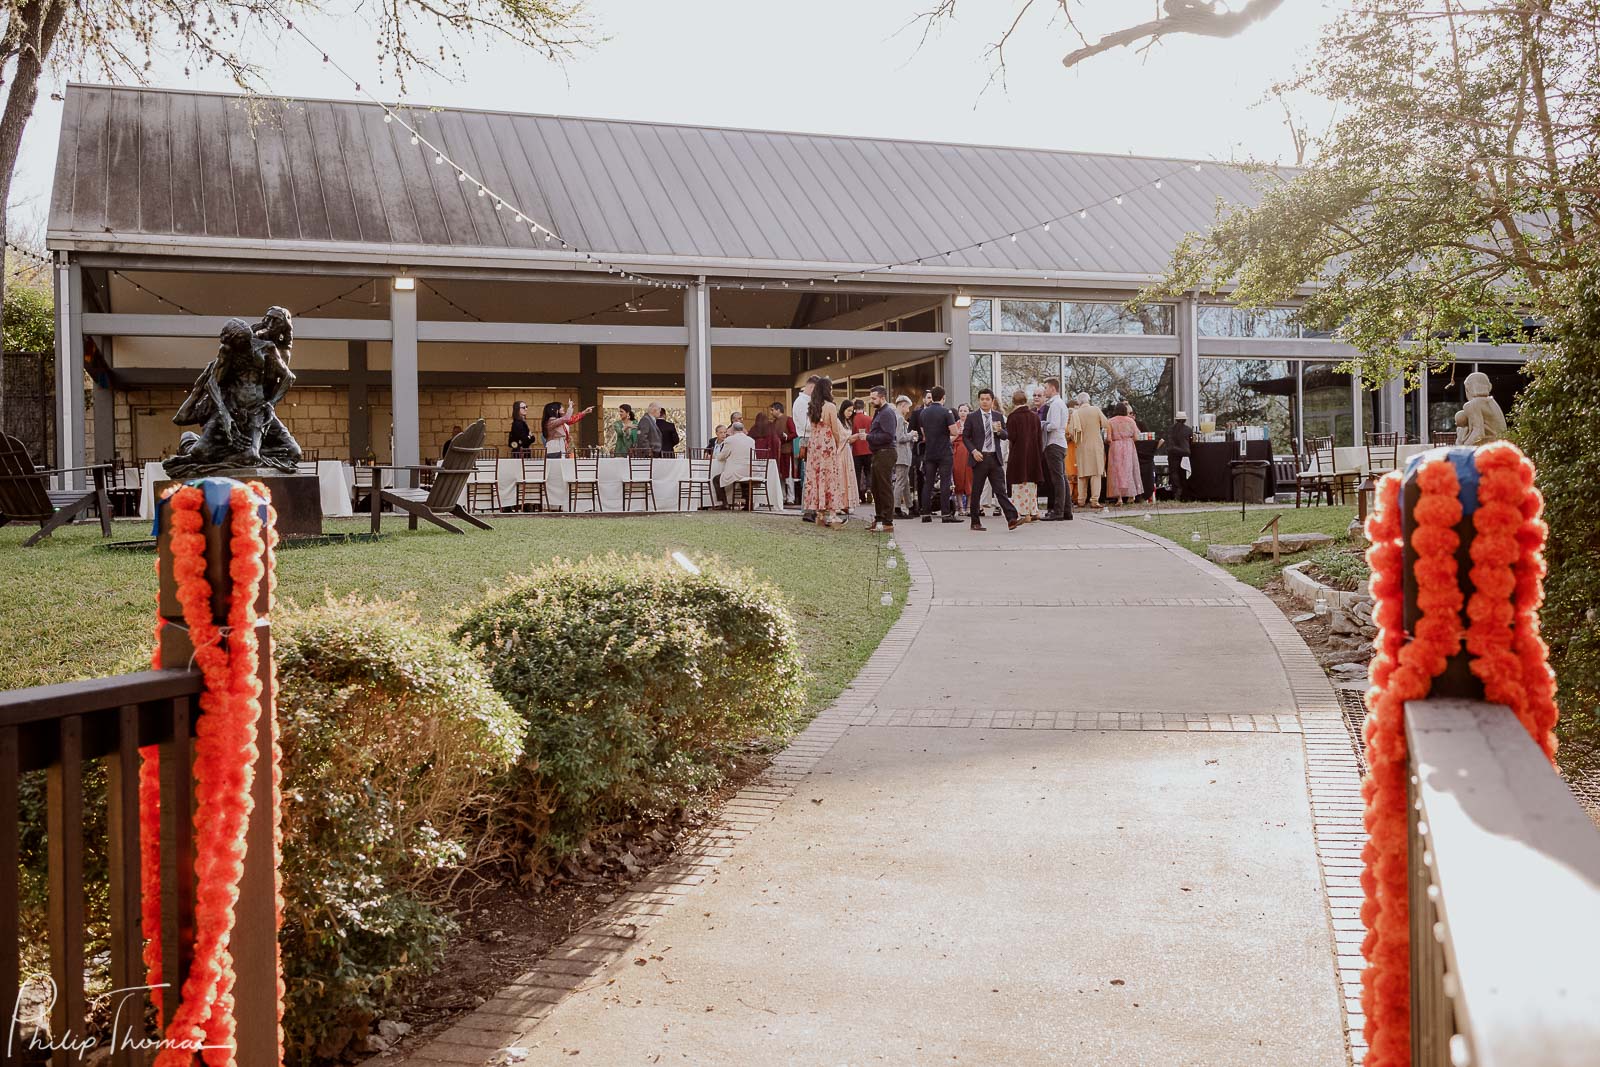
<point>1158,183</point>
<point>387,117</point>
<point>1047,227</point>
<point>1013,238</point>
<point>414,138</point>
<point>438,158</point>
<point>461,175</point>
<point>1119,198</point>
<point>482,191</point>
<point>1083,213</point>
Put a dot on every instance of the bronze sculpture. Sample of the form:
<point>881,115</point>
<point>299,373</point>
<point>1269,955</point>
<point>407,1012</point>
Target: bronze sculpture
<point>234,402</point>
<point>1480,420</point>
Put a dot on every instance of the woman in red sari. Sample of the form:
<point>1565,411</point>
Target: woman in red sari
<point>960,469</point>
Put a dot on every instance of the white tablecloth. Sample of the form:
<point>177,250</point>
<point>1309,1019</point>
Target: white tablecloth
<point>333,478</point>
<point>1353,460</point>
<point>665,476</point>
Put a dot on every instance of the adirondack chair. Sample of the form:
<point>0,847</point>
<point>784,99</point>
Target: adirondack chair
<point>443,497</point>
<point>26,496</point>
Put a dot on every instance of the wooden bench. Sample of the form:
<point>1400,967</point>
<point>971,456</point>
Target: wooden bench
<point>26,496</point>
<point>443,497</point>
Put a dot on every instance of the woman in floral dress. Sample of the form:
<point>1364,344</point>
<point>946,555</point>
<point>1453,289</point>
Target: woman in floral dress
<point>828,486</point>
<point>1123,462</point>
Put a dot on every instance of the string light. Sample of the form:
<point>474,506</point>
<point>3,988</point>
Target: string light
<point>390,115</point>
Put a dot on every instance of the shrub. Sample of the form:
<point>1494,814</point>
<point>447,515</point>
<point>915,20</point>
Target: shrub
<point>635,678</point>
<point>390,735</point>
<point>1554,424</point>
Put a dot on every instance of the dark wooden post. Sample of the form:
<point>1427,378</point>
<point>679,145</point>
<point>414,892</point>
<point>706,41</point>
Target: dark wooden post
<point>255,931</point>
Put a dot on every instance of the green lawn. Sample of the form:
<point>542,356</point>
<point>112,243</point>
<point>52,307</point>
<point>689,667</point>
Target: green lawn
<point>71,609</point>
<point>1225,528</point>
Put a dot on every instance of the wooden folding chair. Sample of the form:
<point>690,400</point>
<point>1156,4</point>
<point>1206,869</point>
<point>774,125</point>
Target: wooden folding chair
<point>695,490</point>
<point>585,480</point>
<point>639,484</point>
<point>1383,453</point>
<point>483,491</point>
<point>441,498</point>
<point>531,488</point>
<point>26,496</point>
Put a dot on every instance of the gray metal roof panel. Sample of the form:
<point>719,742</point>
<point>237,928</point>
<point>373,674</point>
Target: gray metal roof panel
<point>148,164</point>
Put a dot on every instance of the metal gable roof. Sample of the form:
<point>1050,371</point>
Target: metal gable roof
<point>163,169</point>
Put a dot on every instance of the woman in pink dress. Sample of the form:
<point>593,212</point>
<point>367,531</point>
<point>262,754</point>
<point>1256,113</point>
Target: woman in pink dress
<point>828,459</point>
<point>1123,480</point>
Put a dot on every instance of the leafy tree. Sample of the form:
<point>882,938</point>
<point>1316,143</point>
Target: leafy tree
<point>1553,422</point>
<point>1456,192</point>
<point>30,324</point>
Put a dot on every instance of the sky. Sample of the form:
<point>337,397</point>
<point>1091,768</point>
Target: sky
<point>826,66</point>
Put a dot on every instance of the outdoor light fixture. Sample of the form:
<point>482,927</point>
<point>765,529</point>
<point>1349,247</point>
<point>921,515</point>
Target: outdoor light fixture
<point>404,284</point>
<point>963,298</point>
<point>685,562</point>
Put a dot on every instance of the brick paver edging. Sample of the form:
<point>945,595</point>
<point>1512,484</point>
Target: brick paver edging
<point>500,1032</point>
<point>1333,782</point>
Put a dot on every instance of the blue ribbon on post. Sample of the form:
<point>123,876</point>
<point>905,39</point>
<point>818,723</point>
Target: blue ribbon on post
<point>218,500</point>
<point>1461,457</point>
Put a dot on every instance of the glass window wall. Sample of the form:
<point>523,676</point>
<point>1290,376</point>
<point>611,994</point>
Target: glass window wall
<point>1327,410</point>
<point>1088,317</point>
<point>982,378</point>
<point>1025,371</point>
<point>1254,392</point>
<point>980,316</point>
<point>1030,316</point>
<point>1143,382</point>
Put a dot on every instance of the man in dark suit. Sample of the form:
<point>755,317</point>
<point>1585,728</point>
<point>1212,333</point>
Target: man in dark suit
<point>982,434</point>
<point>933,425</point>
<point>669,434</point>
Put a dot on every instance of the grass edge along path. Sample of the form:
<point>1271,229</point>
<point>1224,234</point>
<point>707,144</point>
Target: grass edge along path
<point>1224,527</point>
<point>72,609</point>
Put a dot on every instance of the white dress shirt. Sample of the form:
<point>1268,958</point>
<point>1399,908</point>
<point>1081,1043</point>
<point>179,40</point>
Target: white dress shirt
<point>1055,422</point>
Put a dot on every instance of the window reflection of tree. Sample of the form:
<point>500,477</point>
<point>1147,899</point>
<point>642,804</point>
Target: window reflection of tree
<point>1143,382</point>
<point>980,317</point>
<point>1030,316</point>
<point>982,377</point>
<point>1327,411</point>
<point>1251,391</point>
<point>1095,317</point>
<point>1022,370</point>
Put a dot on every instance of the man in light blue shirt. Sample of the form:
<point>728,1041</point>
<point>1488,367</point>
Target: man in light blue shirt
<point>1054,418</point>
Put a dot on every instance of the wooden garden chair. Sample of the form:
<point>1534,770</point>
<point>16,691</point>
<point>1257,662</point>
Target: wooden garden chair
<point>26,496</point>
<point>441,498</point>
<point>483,491</point>
<point>1383,453</point>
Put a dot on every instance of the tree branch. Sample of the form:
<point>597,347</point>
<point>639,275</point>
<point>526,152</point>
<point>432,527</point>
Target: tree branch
<point>1200,18</point>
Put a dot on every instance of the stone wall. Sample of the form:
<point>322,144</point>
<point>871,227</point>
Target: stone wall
<point>318,418</point>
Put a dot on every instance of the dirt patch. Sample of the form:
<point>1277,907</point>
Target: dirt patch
<point>506,928</point>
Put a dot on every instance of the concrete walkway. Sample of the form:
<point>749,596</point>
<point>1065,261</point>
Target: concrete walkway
<point>1062,818</point>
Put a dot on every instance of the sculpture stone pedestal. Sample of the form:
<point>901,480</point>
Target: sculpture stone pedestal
<point>296,497</point>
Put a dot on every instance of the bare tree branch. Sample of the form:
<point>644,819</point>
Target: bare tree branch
<point>1198,17</point>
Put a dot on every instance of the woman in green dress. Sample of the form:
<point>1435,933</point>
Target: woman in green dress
<point>624,431</point>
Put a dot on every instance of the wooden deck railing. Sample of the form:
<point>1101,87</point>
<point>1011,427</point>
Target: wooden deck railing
<point>1505,897</point>
<point>59,729</point>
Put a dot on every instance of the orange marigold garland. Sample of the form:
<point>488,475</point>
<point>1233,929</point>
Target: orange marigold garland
<point>225,755</point>
<point>1402,671</point>
<point>1505,652</point>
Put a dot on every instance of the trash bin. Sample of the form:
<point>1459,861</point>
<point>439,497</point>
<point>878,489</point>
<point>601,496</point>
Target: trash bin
<point>1249,480</point>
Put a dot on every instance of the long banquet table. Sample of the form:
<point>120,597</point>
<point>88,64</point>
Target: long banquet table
<point>1353,459</point>
<point>665,476</point>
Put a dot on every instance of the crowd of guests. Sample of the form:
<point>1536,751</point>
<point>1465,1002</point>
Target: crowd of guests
<point>1035,463</point>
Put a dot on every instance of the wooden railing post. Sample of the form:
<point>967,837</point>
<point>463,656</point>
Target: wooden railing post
<point>254,940</point>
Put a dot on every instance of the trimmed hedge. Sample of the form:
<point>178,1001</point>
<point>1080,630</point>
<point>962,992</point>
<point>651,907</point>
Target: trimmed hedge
<point>391,736</point>
<point>636,679</point>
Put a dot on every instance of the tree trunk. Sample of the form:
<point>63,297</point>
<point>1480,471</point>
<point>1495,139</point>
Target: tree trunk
<point>32,30</point>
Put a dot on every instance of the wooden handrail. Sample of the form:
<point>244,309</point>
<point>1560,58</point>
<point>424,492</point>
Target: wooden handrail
<point>1505,896</point>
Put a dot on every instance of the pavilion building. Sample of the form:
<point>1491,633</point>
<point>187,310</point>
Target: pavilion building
<point>442,263</point>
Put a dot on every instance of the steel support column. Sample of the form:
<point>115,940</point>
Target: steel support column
<point>357,401</point>
<point>697,364</point>
<point>1187,372</point>
<point>589,394</point>
<point>955,370</point>
<point>69,369</point>
<point>403,379</point>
